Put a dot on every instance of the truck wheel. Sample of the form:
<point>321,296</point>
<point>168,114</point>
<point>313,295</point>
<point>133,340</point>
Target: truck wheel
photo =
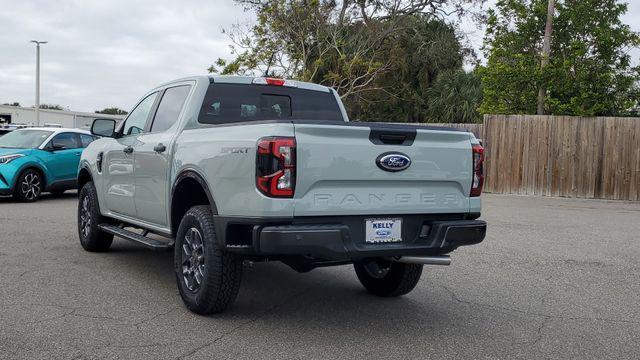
<point>28,186</point>
<point>388,278</point>
<point>208,277</point>
<point>91,237</point>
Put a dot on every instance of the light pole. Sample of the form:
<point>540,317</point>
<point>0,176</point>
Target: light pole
<point>38,79</point>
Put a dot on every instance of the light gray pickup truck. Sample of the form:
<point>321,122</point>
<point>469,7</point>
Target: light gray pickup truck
<point>232,169</point>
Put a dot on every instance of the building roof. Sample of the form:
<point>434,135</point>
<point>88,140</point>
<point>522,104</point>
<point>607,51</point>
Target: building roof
<point>62,112</point>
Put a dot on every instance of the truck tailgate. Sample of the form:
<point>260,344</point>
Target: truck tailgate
<point>338,175</point>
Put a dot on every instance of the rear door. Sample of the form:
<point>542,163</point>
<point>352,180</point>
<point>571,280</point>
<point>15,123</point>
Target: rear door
<point>338,171</point>
<point>152,154</point>
<point>65,151</point>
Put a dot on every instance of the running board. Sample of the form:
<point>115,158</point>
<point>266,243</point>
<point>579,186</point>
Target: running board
<point>153,244</point>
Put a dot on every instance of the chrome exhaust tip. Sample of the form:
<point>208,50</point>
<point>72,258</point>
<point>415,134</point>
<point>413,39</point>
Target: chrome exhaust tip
<point>424,260</point>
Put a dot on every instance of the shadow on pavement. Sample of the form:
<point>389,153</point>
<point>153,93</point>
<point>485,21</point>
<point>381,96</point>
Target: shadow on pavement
<point>44,197</point>
<point>275,290</point>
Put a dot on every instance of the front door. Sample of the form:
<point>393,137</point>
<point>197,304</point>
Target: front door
<point>118,160</point>
<point>152,154</point>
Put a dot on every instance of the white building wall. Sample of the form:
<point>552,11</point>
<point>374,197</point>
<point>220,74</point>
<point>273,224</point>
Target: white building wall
<point>70,119</point>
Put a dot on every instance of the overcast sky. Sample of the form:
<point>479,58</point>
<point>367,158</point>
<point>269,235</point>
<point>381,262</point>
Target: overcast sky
<point>108,53</point>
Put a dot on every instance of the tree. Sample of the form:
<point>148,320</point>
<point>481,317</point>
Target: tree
<point>455,97</point>
<point>546,49</point>
<point>418,56</point>
<point>15,103</point>
<point>112,111</point>
<point>360,48</point>
<point>589,70</point>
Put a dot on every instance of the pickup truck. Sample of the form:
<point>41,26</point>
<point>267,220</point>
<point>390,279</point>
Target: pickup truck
<point>232,170</point>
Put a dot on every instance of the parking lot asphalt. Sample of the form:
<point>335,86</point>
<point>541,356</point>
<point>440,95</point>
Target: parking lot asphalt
<point>555,278</point>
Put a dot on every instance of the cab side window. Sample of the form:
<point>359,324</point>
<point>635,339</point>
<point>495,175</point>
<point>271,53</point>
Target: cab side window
<point>85,140</point>
<point>138,118</point>
<point>64,141</point>
<point>170,107</point>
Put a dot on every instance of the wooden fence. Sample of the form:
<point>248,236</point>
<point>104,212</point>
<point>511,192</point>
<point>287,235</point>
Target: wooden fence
<point>596,157</point>
<point>477,129</point>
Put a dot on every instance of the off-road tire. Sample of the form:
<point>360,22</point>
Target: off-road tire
<point>29,186</point>
<point>399,279</point>
<point>222,271</point>
<point>91,237</point>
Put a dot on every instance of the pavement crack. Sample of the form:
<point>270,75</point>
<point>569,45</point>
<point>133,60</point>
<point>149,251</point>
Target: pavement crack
<point>539,333</point>
<point>139,323</point>
<point>224,334</point>
<point>245,323</point>
<point>74,313</point>
<point>533,313</point>
<point>52,318</point>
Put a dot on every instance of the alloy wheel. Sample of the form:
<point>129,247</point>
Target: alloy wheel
<point>377,269</point>
<point>193,260</point>
<point>30,186</point>
<point>85,217</point>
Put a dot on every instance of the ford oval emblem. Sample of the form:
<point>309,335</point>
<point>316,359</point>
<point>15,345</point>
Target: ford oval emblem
<point>393,161</point>
<point>383,232</point>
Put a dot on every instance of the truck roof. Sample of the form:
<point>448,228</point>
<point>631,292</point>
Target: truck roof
<point>233,79</point>
<point>230,79</point>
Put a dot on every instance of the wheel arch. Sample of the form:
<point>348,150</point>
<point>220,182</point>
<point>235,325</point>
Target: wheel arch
<point>84,176</point>
<point>189,189</point>
<point>35,167</point>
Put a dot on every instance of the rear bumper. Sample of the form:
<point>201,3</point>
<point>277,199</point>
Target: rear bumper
<point>343,238</point>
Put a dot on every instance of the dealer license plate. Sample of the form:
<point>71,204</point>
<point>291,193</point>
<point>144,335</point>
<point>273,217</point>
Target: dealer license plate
<point>383,230</point>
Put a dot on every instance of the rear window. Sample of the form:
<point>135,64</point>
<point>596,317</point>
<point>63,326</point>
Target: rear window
<point>229,103</point>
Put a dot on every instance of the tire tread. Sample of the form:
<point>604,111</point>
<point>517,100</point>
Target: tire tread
<point>98,240</point>
<point>222,279</point>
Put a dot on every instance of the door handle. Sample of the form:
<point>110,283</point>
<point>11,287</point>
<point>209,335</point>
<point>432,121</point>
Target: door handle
<point>128,149</point>
<point>159,148</point>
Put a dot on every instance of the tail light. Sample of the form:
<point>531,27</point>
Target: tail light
<point>274,82</point>
<point>276,166</point>
<point>478,170</point>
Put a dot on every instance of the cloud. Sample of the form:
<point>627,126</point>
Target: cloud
<point>108,53</point>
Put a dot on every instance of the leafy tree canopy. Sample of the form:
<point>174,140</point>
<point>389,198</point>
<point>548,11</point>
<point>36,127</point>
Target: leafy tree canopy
<point>424,56</point>
<point>112,111</point>
<point>589,72</point>
<point>381,56</point>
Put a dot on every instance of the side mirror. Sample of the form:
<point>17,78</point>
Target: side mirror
<point>103,127</point>
<point>56,147</point>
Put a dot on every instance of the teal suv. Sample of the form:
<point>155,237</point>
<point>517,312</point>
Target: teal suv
<point>37,160</point>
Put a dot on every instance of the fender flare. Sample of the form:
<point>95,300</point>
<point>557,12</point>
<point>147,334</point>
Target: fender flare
<point>83,166</point>
<point>195,175</point>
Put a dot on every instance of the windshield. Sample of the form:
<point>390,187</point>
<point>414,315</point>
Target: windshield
<point>24,139</point>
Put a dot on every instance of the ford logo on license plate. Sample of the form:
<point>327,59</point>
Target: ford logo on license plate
<point>393,161</point>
